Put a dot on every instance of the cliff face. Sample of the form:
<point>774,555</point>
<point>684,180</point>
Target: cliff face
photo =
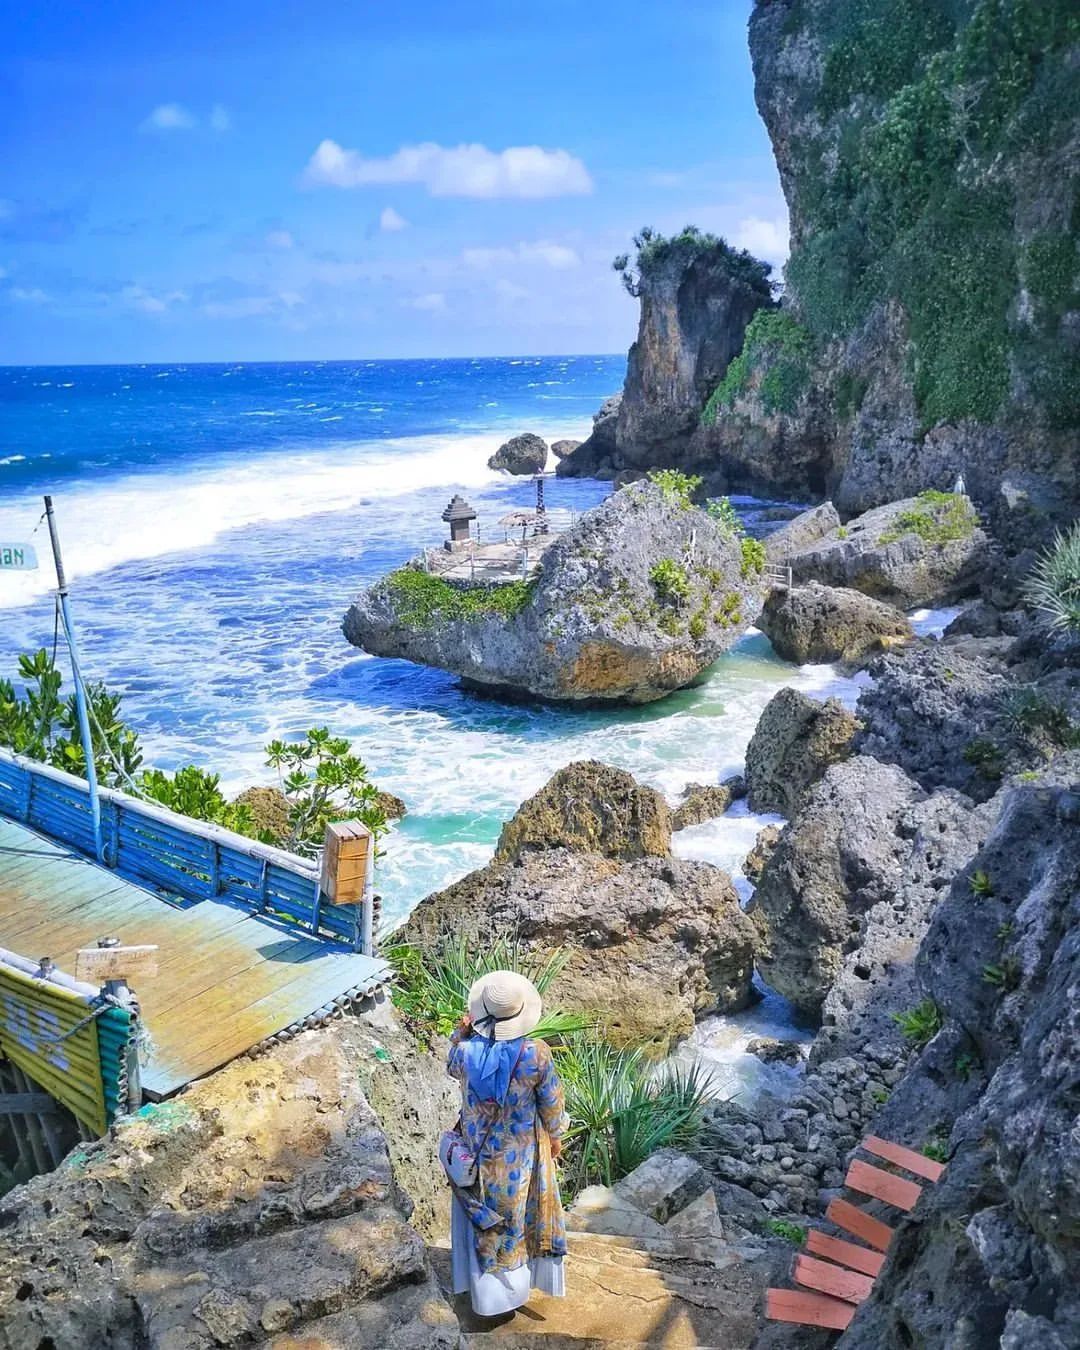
<point>928,151</point>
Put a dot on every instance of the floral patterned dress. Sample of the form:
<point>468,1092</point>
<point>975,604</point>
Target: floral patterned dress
<point>517,1220</point>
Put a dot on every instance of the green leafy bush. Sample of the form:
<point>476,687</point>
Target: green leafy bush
<point>725,515</point>
<point>678,488</point>
<point>981,884</point>
<point>655,251</point>
<point>936,1150</point>
<point>621,1111</point>
<point>790,1232</point>
<point>753,557</point>
<point>919,1024</point>
<point>323,781</point>
<point>423,600</point>
<point>671,582</point>
<point>985,757</point>
<point>1054,584</point>
<point>938,518</point>
<point>193,792</point>
<point>432,982</point>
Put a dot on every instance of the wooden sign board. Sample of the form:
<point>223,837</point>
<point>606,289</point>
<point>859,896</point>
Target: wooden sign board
<point>95,964</point>
<point>345,862</point>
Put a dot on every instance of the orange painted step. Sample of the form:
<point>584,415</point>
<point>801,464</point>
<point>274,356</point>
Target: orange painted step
<point>848,1254</point>
<point>811,1310</point>
<point>826,1278</point>
<point>903,1157</point>
<point>881,1185</point>
<point>856,1221</point>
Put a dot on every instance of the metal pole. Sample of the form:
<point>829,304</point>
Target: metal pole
<point>120,990</point>
<point>367,904</point>
<point>80,692</point>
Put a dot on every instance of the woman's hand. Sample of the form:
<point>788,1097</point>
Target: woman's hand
<point>556,1149</point>
<point>464,1027</point>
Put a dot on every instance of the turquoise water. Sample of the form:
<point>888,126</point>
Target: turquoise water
<point>217,521</point>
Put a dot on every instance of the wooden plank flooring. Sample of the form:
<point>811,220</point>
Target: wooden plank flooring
<point>227,978</point>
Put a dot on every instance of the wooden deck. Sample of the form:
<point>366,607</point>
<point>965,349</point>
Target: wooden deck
<point>228,978</point>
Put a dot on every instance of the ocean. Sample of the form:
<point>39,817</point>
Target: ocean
<point>216,521</point>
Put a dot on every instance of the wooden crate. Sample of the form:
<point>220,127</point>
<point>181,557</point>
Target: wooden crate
<point>345,862</point>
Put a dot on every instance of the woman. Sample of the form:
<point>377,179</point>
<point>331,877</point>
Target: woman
<point>510,1238</point>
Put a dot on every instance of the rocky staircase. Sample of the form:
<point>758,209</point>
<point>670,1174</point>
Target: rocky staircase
<point>650,1262</point>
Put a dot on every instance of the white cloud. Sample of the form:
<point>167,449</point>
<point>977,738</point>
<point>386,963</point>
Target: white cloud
<point>390,221</point>
<point>146,302</point>
<point>279,239</point>
<point>434,302</point>
<point>290,299</point>
<point>455,171</point>
<point>510,291</point>
<point>32,295</point>
<point>169,117</point>
<point>557,256</point>
<point>220,120</point>
<point>765,238</point>
<point>246,307</point>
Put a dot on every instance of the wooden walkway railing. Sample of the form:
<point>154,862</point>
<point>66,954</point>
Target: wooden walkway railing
<point>187,858</point>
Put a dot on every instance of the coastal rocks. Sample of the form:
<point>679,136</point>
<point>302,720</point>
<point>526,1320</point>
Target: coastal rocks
<point>798,534</point>
<point>596,456</point>
<point>255,1207</point>
<point>269,809</point>
<point>525,454</point>
<point>925,550</point>
<point>653,943</point>
<point>795,741</point>
<point>590,807</point>
<point>995,1242</point>
<point>841,855</point>
<point>560,449</point>
<point>759,855</point>
<point>705,801</point>
<point>636,600</point>
<point>393,808</point>
<point>815,624</point>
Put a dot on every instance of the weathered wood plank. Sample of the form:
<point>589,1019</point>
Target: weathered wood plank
<point>848,1254</point>
<point>882,1185</point>
<point>856,1221</point>
<point>907,1158</point>
<point>825,1278</point>
<point>809,1310</point>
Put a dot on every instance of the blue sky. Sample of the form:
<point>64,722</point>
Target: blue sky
<point>274,181</point>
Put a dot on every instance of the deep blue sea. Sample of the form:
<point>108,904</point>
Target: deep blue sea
<point>216,521</point>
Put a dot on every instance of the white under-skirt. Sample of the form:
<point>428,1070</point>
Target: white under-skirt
<point>499,1291</point>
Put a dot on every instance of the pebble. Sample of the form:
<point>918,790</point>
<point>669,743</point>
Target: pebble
<point>840,1108</point>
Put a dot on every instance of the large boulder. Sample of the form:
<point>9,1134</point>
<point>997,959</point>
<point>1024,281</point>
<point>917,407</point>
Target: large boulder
<point>560,449</point>
<point>525,454</point>
<point>840,856</point>
<point>653,944</point>
<point>592,808</point>
<point>794,742</point>
<point>990,1256</point>
<point>596,456</point>
<point>637,599</point>
<point>259,1207</point>
<point>802,531</point>
<point>925,550</point>
<point>815,624</point>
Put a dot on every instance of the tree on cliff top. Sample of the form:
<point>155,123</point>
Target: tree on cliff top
<point>655,250</point>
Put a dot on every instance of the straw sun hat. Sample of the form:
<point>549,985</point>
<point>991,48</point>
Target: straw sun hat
<point>504,1005</point>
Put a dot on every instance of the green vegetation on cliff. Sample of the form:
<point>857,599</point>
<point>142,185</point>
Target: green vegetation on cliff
<point>656,251</point>
<point>936,106</point>
<point>937,518</point>
<point>422,600</point>
<point>781,348</point>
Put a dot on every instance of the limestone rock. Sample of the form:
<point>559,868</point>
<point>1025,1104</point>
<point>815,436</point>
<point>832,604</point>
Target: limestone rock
<point>815,624</point>
<point>706,801</point>
<point>801,532</point>
<point>994,1241</point>
<point>593,808</point>
<point>560,449</point>
<point>795,741</point>
<point>759,855</point>
<point>256,1203</point>
<point>269,809</point>
<point>525,454</point>
<point>595,457</point>
<point>636,600</point>
<point>664,1184</point>
<point>654,943</point>
<point>882,555</point>
<point>393,808</point>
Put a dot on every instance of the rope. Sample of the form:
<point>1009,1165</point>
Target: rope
<point>101,1005</point>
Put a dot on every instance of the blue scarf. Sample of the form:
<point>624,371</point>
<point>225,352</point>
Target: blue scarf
<point>488,1065</point>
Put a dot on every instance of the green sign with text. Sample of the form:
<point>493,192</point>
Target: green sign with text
<point>17,557</point>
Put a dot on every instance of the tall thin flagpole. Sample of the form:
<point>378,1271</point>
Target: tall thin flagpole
<point>80,692</point>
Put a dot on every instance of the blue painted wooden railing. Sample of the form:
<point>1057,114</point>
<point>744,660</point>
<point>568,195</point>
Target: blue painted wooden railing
<point>185,857</point>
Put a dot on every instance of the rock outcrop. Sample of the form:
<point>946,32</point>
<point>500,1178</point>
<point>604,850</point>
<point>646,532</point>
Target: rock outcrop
<point>794,742</point>
<point>988,1257</point>
<point>800,532</point>
<point>653,944</point>
<point>706,801</point>
<point>560,449</point>
<point>259,1207</point>
<point>590,807</point>
<point>595,456</point>
<point>926,550</point>
<point>636,600</point>
<point>521,455</point>
<point>815,624</point>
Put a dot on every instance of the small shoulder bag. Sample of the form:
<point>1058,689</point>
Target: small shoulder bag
<point>459,1162</point>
